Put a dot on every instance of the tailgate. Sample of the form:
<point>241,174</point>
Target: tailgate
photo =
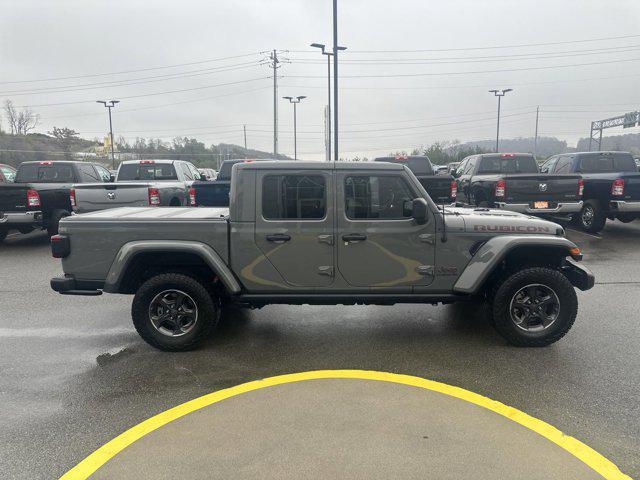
<point>101,196</point>
<point>631,186</point>
<point>553,188</point>
<point>13,197</point>
<point>438,187</point>
<point>212,194</point>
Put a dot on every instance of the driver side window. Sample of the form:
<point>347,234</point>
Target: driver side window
<point>380,197</point>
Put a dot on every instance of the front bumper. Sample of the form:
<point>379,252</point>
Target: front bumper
<point>624,207</point>
<point>561,208</point>
<point>579,276</point>
<point>21,218</point>
<point>68,285</point>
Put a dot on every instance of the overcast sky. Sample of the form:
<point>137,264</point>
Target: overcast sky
<point>415,71</point>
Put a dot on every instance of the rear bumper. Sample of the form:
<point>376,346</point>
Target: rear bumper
<point>624,207</point>
<point>561,208</point>
<point>21,218</point>
<point>68,285</point>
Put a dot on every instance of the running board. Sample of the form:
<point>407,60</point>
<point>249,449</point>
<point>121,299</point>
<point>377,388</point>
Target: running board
<point>260,300</point>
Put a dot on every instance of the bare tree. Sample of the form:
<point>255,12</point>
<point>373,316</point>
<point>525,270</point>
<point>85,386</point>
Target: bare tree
<point>20,122</point>
<point>66,137</point>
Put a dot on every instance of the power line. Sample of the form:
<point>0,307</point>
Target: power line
<point>127,82</point>
<point>129,71</point>
<point>495,47</point>
<point>434,74</point>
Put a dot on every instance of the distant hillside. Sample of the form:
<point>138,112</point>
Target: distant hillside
<point>547,146</point>
<point>15,149</point>
<point>629,142</point>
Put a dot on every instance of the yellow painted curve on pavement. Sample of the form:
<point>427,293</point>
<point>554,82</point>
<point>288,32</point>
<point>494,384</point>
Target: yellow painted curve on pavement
<point>586,454</point>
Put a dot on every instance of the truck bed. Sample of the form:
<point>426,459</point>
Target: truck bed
<point>96,237</point>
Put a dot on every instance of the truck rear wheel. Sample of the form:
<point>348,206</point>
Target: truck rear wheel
<point>174,312</point>
<point>534,307</point>
<point>591,218</point>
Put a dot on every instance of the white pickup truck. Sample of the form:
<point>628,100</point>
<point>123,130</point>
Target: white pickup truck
<point>140,183</point>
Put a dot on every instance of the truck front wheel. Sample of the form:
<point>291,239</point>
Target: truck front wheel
<point>174,312</point>
<point>534,307</point>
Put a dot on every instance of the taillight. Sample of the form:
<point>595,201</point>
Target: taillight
<point>72,197</point>
<point>454,189</point>
<point>617,187</point>
<point>154,196</point>
<point>147,161</point>
<point>580,187</point>
<point>501,188</point>
<point>60,246</point>
<point>33,198</point>
<point>192,196</point>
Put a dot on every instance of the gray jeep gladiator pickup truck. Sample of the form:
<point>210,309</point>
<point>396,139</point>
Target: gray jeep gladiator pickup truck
<point>322,233</point>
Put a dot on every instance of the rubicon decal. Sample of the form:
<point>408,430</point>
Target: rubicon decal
<point>511,228</point>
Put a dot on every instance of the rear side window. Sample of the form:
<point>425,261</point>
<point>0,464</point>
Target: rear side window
<point>88,174</point>
<point>418,165</point>
<point>376,197</point>
<point>508,164</point>
<point>147,171</point>
<point>39,173</point>
<point>616,162</point>
<point>225,169</point>
<point>103,173</point>
<point>563,165</point>
<point>292,197</point>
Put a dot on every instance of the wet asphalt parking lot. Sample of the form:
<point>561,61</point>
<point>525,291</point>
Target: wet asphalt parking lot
<point>74,373</point>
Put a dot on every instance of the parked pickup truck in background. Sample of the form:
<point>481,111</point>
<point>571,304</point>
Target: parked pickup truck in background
<point>322,233</point>
<point>7,173</point>
<point>511,181</point>
<point>440,187</point>
<point>140,183</point>
<point>215,193</point>
<point>611,186</point>
<point>39,197</point>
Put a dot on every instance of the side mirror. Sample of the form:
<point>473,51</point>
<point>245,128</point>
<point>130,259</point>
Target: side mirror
<point>419,210</point>
<point>112,178</point>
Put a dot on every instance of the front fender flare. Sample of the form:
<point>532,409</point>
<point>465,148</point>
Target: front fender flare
<point>495,250</point>
<point>205,252</point>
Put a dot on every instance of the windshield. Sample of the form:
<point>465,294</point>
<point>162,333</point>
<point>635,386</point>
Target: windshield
<point>49,173</point>
<point>9,173</point>
<point>418,165</point>
<point>607,162</point>
<point>146,171</point>
<point>508,164</point>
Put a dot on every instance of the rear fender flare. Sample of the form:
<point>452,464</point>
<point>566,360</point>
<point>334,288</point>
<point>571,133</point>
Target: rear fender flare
<point>489,256</point>
<point>129,250</point>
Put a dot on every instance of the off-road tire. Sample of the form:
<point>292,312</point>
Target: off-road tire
<point>208,312</point>
<point>54,222</point>
<point>548,277</point>
<point>599,218</point>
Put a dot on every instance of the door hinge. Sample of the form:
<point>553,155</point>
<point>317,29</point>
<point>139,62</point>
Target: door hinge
<point>425,270</point>
<point>325,270</point>
<point>429,238</point>
<point>328,239</point>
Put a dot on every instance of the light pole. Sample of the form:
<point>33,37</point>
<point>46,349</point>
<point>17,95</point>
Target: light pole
<point>110,104</point>
<point>295,101</point>
<point>499,94</point>
<point>329,55</point>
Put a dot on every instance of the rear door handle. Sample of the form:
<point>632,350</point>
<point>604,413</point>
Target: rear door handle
<point>354,237</point>
<point>278,238</point>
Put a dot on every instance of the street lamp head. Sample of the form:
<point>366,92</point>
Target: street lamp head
<point>301,97</point>
<point>101,101</point>
<point>115,101</point>
<point>318,45</point>
<point>494,91</point>
<point>341,48</point>
<point>507,90</point>
<point>288,98</point>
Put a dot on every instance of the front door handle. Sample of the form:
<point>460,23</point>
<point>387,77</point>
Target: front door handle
<point>354,237</point>
<point>278,238</point>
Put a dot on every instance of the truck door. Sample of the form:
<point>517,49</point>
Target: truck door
<point>294,225</point>
<point>379,245</point>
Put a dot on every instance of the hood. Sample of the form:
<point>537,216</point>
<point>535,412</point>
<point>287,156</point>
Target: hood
<point>484,220</point>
